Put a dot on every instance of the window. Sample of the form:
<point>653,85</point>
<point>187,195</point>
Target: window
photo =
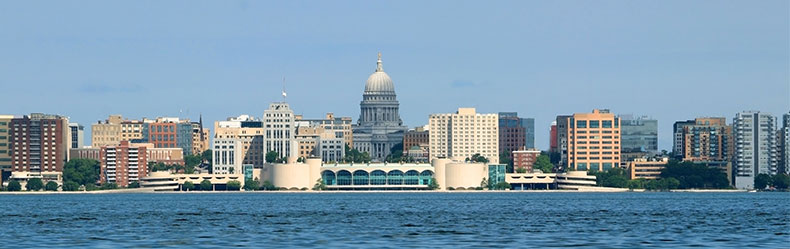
<point>606,124</point>
<point>594,124</point>
<point>581,124</point>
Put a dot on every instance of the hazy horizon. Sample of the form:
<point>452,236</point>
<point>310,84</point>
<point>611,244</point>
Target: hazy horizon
<point>670,60</point>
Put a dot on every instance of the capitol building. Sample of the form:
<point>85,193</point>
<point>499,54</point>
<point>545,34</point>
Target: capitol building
<point>379,127</point>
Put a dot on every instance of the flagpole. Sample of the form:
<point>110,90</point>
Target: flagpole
<point>284,94</point>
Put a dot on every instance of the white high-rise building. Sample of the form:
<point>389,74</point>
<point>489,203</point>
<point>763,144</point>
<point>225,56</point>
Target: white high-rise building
<point>279,131</point>
<point>228,156</point>
<point>463,134</point>
<point>77,133</point>
<point>755,147</point>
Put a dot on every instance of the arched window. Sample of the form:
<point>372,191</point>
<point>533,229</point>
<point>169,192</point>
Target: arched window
<point>361,177</point>
<point>329,177</point>
<point>343,177</point>
<point>395,177</point>
<point>412,177</point>
<point>378,177</point>
<point>425,177</point>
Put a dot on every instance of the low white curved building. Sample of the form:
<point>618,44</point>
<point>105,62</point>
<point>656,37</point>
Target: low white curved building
<point>376,176</point>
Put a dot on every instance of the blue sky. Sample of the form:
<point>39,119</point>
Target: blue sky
<point>672,60</point>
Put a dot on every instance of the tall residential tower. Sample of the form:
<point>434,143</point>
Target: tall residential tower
<point>755,147</point>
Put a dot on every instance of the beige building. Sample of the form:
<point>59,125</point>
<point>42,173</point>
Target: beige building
<point>200,138</point>
<point>647,168</point>
<point>249,131</point>
<point>593,141</point>
<point>24,176</point>
<point>107,132</point>
<point>131,129</point>
<point>5,149</point>
<point>114,130</point>
<point>307,139</point>
<point>340,126</point>
<point>165,181</point>
<point>464,133</point>
<point>317,141</point>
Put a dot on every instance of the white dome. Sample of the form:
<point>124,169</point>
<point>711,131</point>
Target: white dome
<point>379,81</point>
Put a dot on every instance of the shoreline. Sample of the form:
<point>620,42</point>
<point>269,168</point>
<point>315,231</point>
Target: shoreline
<point>151,191</point>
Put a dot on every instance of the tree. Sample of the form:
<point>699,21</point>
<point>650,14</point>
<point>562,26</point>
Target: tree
<point>521,170</point>
<point>543,163</point>
<point>14,185</point>
<point>134,184</point>
<point>205,185</point>
<point>159,166</point>
<point>354,156</point>
<point>762,181</point>
<point>692,175</point>
<point>671,183</point>
<point>34,184</point>
<point>615,178</point>
<point>652,185</point>
<point>478,158</point>
<point>781,181</point>
<point>190,162</point>
<point>319,185</point>
<point>635,184</point>
<point>396,153</point>
<point>188,186</point>
<point>271,156</point>
<point>501,186</point>
<point>71,186</point>
<point>616,181</point>
<point>484,183</point>
<point>206,157</point>
<point>232,185</point>
<point>433,185</point>
<point>109,185</point>
<point>51,186</point>
<point>268,186</point>
<point>82,171</point>
<point>251,184</point>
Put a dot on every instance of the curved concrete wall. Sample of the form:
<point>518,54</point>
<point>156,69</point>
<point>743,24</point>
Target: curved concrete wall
<point>315,170</point>
<point>290,175</point>
<point>439,167</point>
<point>464,175</point>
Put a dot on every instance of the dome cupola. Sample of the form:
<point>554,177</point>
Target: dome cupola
<point>379,82</point>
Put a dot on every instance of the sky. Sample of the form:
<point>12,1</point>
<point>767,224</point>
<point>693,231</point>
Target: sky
<point>670,60</point>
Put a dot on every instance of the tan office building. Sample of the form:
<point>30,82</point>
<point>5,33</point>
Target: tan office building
<point>647,168</point>
<point>200,138</point>
<point>107,133</point>
<point>249,131</point>
<point>593,141</point>
<point>5,149</point>
<point>340,126</point>
<point>464,133</point>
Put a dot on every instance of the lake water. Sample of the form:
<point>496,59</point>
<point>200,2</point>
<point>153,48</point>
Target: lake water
<point>396,220</point>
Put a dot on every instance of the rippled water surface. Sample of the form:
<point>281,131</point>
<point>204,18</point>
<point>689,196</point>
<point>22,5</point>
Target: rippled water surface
<point>396,220</point>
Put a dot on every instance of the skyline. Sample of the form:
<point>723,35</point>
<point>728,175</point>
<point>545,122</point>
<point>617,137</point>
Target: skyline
<point>630,57</point>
